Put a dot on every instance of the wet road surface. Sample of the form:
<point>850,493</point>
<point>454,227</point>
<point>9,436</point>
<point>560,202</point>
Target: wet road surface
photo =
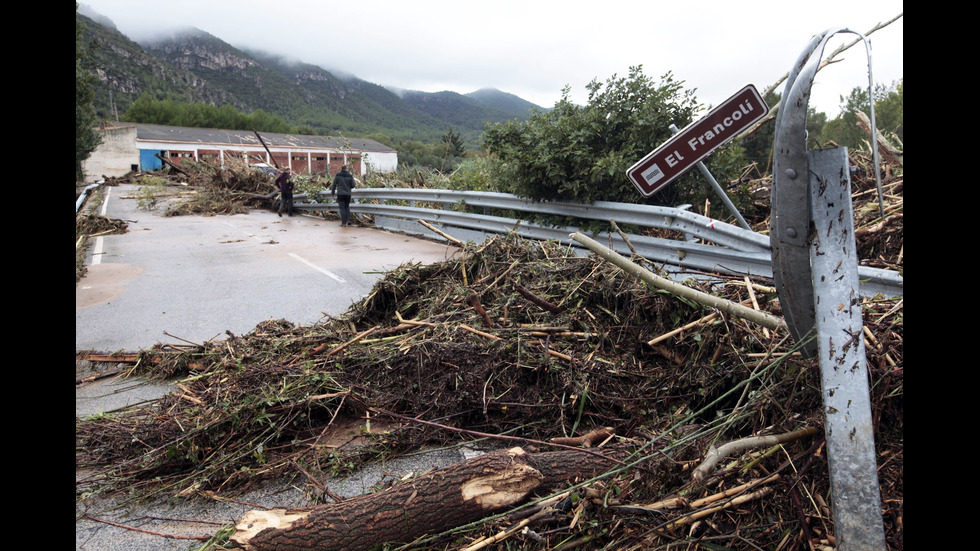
<point>194,278</point>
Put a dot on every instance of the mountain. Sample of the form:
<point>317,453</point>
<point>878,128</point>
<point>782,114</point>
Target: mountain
<point>190,65</point>
<point>491,97</point>
<point>125,70</point>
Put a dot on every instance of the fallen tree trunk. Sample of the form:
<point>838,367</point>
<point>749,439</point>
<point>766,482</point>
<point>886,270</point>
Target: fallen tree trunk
<point>437,501</point>
<point>171,165</point>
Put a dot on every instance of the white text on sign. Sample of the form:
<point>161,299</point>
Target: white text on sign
<point>697,140</point>
<point>718,130</point>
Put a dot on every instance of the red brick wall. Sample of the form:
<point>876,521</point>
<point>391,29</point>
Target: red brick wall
<point>300,163</point>
<point>177,156</point>
<point>338,160</point>
<point>209,156</point>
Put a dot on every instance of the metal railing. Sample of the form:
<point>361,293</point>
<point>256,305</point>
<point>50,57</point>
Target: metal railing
<point>707,245</point>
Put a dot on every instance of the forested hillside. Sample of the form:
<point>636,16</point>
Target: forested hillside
<point>193,66</point>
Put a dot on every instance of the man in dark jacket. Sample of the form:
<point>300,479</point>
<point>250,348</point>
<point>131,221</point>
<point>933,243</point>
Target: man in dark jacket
<point>285,184</point>
<point>343,183</point>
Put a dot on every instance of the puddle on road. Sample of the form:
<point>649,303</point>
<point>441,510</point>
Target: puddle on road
<point>102,283</point>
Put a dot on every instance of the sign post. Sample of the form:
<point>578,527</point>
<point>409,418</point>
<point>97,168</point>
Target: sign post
<point>697,140</point>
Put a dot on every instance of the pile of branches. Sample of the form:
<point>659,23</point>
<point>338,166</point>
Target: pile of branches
<point>522,340</point>
<point>88,224</point>
<point>879,224</point>
<point>203,188</point>
<point>234,189</point>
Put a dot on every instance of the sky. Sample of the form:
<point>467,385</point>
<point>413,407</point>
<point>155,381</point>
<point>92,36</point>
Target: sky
<point>536,48</point>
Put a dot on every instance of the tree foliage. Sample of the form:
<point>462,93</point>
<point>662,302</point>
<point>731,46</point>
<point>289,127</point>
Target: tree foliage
<point>758,145</point>
<point>201,115</point>
<point>581,153</point>
<point>844,130</point>
<point>86,138</point>
<point>454,143</point>
<point>445,156</point>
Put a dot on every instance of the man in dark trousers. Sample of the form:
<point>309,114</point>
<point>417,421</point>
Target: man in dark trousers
<point>285,184</point>
<point>343,183</point>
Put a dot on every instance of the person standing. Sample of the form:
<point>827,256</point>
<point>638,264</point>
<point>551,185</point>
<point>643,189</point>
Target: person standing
<point>343,183</point>
<point>285,184</point>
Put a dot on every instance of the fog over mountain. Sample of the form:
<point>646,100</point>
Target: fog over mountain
<point>191,65</point>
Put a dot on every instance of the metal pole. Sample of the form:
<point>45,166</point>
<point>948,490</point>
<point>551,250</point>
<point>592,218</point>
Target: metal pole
<point>717,187</point>
<point>843,363</point>
<point>815,266</point>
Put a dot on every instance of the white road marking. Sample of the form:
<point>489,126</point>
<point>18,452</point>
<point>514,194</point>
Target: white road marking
<point>296,256</point>
<point>315,267</point>
<point>97,253</point>
<point>105,204</point>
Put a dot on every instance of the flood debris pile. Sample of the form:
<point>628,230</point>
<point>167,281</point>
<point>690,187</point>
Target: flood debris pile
<point>880,240</point>
<point>202,188</point>
<point>526,340</point>
<point>236,189</point>
<point>87,225</point>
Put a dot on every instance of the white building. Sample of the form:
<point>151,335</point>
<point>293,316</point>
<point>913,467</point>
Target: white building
<point>134,147</point>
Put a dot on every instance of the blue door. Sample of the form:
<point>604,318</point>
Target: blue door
<point>148,161</point>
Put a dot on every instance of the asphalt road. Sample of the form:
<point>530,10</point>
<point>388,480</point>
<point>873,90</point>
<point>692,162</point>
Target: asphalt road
<point>194,278</point>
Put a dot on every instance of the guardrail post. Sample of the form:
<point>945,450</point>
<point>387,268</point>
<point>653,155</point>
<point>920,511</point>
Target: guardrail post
<point>815,269</point>
<point>843,364</point>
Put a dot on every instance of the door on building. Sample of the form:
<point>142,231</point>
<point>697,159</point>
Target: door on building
<point>149,160</point>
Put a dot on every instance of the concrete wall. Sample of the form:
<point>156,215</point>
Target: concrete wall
<point>116,156</point>
<point>379,161</point>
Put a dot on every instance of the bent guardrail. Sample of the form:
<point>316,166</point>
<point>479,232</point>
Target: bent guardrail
<point>732,249</point>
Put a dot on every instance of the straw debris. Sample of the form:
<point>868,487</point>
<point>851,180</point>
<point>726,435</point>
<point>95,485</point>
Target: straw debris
<point>526,341</point>
<point>261,405</point>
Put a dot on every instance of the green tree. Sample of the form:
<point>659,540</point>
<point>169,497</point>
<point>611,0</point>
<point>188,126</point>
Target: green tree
<point>581,153</point>
<point>150,111</point>
<point>454,142</point>
<point>381,138</point>
<point>86,137</point>
<point>889,111</point>
<point>202,115</point>
<point>758,145</point>
<point>844,129</point>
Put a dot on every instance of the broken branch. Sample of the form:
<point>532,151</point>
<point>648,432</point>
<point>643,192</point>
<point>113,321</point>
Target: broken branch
<point>733,308</point>
<point>715,455</point>
<point>526,293</point>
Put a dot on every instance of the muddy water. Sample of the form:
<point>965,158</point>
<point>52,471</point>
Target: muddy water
<point>104,282</point>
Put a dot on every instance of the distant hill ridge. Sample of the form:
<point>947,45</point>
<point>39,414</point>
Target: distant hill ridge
<point>191,65</point>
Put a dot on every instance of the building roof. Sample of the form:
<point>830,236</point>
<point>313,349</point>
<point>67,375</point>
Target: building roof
<point>217,137</point>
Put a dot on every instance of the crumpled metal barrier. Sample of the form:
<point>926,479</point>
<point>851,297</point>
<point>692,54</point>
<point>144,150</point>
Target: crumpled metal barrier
<point>815,268</point>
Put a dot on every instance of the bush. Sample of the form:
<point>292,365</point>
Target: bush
<point>581,154</point>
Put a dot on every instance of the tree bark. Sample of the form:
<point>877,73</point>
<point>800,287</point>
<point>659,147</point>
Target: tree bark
<point>434,502</point>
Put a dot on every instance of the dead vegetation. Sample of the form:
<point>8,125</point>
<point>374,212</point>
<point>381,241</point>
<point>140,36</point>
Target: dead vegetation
<point>526,342</point>
<point>88,225</point>
<point>202,189</point>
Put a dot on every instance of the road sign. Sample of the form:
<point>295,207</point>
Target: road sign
<point>697,140</point>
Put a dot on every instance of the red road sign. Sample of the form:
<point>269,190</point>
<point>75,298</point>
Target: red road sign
<point>697,140</point>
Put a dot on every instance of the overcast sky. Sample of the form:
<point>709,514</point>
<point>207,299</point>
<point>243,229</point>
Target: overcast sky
<point>535,48</point>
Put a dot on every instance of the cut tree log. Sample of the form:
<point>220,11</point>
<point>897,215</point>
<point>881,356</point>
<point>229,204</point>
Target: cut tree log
<point>434,502</point>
